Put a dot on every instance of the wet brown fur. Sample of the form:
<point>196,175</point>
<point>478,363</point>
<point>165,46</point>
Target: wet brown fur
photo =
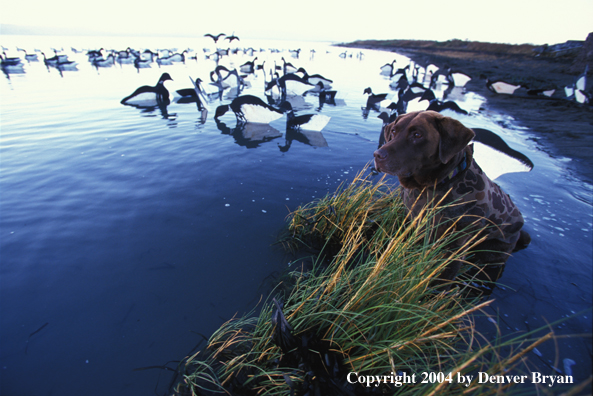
<point>422,149</point>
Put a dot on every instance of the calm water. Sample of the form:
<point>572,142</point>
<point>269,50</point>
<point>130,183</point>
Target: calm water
<point>125,232</point>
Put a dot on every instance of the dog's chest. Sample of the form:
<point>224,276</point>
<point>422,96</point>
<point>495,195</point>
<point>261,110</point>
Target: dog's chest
<point>470,196</point>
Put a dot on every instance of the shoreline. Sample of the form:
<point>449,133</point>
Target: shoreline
<point>561,127</point>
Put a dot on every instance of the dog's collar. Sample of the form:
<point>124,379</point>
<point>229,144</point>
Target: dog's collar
<point>458,169</point>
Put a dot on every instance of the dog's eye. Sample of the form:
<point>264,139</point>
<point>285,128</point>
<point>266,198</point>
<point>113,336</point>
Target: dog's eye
<point>416,134</point>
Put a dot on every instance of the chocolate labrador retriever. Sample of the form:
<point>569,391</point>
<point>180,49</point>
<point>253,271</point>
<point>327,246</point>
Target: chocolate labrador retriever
<point>429,154</point>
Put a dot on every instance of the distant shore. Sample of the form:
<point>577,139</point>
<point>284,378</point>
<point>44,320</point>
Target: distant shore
<point>562,127</point>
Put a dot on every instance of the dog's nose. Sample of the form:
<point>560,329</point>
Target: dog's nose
<point>380,154</point>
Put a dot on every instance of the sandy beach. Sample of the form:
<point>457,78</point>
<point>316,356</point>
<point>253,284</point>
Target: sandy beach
<point>563,128</point>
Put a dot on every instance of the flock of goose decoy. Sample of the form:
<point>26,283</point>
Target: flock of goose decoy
<point>284,88</point>
<point>285,85</point>
<point>423,88</point>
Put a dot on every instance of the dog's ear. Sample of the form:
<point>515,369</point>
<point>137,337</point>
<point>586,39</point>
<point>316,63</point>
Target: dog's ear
<point>454,137</point>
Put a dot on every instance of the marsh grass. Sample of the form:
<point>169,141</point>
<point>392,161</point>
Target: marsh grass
<point>373,310</point>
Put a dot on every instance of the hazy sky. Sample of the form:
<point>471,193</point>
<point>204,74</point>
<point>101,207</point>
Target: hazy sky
<point>504,21</point>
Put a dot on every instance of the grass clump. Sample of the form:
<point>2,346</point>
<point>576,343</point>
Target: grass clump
<point>373,311</point>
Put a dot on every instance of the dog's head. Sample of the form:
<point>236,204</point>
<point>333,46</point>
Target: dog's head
<point>422,147</point>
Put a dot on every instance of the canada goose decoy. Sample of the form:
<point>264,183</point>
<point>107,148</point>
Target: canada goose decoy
<point>249,108</point>
<point>438,106</point>
<point>287,67</point>
<point>179,57</point>
<point>410,95</point>
<point>29,57</point>
<point>459,79</point>
<point>387,69</point>
<point>140,63</point>
<point>164,61</point>
<point>11,65</point>
<point>502,158</point>
<point>92,54</point>
<point>223,78</point>
<point>399,83</point>
<point>327,97</point>
<point>582,96</point>
<point>222,52</point>
<point>125,57</point>
<point>374,99</point>
<point>412,99</point>
<point>503,87</point>
<point>581,80</point>
<point>104,62</point>
<point>315,78</point>
<point>260,66</point>
<point>194,94</point>
<point>66,65</point>
<point>317,89</point>
<point>306,122</point>
<point>248,67</point>
<point>578,89</point>
<point>53,61</point>
<point>291,84</point>
<point>541,92</point>
<point>7,62</point>
<point>418,88</point>
<point>221,73</point>
<point>387,119</point>
<point>232,37</point>
<point>150,96</point>
<point>148,55</point>
<point>215,37</point>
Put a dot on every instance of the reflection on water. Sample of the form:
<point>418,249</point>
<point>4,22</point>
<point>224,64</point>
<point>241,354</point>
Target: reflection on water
<point>250,135</point>
<point>124,231</point>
